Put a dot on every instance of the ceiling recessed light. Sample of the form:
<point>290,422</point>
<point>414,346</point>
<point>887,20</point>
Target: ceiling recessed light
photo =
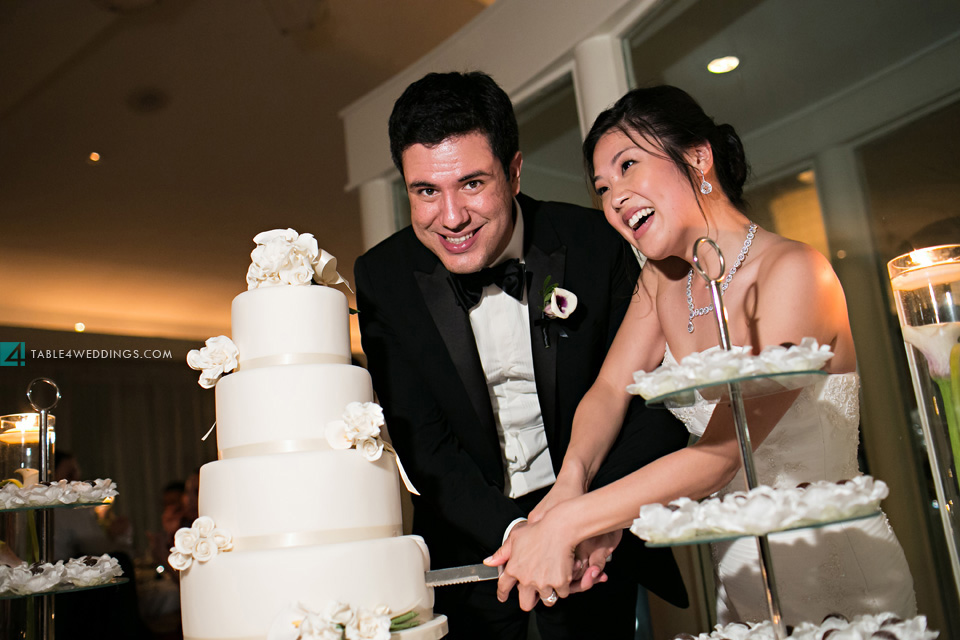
<point>806,177</point>
<point>723,65</point>
<point>93,158</point>
<point>79,327</point>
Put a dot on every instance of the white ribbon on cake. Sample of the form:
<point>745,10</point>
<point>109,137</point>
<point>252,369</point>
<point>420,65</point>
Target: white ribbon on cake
<point>360,429</point>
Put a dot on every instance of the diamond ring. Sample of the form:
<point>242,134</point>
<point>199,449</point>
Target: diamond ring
<point>552,598</point>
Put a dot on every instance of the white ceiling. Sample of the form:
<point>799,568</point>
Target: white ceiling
<point>212,126</point>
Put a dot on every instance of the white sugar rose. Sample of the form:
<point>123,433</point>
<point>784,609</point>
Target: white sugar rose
<point>185,541</point>
<point>282,256</point>
<point>219,356</point>
<point>202,526</point>
<point>179,561</point>
<point>338,612</point>
<point>314,627</point>
<point>366,417</point>
<point>205,550</point>
<point>366,625</point>
<point>562,304</point>
<point>371,448</point>
<point>339,435</point>
<point>222,538</point>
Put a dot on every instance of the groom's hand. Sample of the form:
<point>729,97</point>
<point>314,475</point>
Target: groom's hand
<point>592,557</point>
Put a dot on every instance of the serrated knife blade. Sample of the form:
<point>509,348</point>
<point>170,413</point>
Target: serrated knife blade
<point>460,575</point>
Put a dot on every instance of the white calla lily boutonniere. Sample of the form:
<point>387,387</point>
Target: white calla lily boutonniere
<point>558,304</point>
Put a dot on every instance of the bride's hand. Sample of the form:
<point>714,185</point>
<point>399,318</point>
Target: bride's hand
<point>561,491</point>
<point>539,558</point>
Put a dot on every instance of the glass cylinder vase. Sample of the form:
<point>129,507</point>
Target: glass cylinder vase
<point>926,285</point>
<point>20,456</point>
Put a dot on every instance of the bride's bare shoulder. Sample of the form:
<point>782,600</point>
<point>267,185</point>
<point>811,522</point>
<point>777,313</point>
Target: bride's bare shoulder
<point>786,262</point>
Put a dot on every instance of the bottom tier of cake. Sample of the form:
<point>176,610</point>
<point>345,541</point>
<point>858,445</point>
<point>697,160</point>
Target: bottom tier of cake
<point>238,595</point>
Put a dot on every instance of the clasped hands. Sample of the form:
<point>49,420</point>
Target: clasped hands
<point>541,559</point>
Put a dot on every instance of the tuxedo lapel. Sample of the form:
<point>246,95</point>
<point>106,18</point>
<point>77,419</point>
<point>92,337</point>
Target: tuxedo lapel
<point>545,257</point>
<point>454,326</point>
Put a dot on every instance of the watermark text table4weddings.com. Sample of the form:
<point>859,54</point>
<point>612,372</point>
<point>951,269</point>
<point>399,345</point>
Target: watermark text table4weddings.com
<point>15,354</point>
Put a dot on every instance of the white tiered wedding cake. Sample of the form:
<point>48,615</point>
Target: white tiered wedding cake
<point>300,528</point>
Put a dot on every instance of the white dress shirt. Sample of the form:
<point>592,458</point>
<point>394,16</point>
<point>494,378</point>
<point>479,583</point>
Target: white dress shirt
<point>501,327</point>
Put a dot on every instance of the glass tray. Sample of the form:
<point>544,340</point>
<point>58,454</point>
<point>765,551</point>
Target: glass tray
<point>755,386</point>
<point>59,505</point>
<point>725,537</point>
<point>63,589</point>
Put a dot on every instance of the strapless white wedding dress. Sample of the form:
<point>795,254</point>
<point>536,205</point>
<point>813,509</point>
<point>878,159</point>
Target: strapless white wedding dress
<point>852,568</point>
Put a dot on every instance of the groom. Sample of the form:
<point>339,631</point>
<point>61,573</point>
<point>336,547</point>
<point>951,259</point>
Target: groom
<point>478,387</point>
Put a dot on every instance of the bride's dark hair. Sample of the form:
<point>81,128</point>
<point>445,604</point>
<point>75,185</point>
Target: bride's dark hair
<point>672,121</point>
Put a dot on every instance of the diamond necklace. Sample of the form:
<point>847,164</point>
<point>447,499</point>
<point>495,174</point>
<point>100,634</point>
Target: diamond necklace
<point>726,283</point>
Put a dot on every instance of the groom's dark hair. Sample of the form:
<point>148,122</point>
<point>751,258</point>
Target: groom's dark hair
<point>443,105</point>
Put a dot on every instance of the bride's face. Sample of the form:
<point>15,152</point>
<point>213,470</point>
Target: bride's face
<point>645,197</point>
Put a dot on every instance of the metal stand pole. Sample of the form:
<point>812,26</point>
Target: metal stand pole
<point>43,400</point>
<point>743,436</point>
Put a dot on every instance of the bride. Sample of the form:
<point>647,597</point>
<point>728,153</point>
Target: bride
<point>667,175</point>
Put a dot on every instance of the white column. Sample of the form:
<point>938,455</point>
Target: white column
<point>599,76</point>
<point>377,220</point>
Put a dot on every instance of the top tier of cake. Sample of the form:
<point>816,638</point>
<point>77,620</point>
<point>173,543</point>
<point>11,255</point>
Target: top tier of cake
<point>291,325</point>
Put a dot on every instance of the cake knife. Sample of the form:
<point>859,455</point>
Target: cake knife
<point>459,575</point>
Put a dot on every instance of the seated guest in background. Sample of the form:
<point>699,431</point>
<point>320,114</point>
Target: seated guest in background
<point>478,383</point>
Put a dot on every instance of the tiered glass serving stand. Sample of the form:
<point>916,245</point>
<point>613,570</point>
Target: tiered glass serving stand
<point>44,395</point>
<point>735,391</point>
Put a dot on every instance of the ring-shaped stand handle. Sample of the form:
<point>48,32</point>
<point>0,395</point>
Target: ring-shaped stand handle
<point>42,399</point>
<point>696,260</point>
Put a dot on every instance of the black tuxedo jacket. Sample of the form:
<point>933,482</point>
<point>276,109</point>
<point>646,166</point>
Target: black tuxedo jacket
<point>427,374</point>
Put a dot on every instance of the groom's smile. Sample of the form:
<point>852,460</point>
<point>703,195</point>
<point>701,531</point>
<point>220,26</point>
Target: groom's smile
<point>461,200</point>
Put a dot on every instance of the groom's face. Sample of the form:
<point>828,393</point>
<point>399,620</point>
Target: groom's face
<point>461,202</point>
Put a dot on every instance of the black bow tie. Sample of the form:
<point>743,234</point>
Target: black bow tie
<point>468,287</point>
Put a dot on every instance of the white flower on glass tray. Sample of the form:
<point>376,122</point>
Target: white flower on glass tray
<point>200,542</point>
<point>714,366</point>
<point>25,579</point>
<point>217,357</point>
<point>282,256</point>
<point>761,510</point>
<point>91,570</point>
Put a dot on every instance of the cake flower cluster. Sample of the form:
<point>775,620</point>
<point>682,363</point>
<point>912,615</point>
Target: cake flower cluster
<point>13,495</point>
<point>200,543</point>
<point>715,366</point>
<point>338,621</point>
<point>759,511</point>
<point>862,627</point>
<point>87,571</point>
<point>360,429</point>
<point>283,256</point>
<point>218,356</point>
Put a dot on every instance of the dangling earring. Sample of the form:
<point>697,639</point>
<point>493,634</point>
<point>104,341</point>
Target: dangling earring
<point>705,187</point>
